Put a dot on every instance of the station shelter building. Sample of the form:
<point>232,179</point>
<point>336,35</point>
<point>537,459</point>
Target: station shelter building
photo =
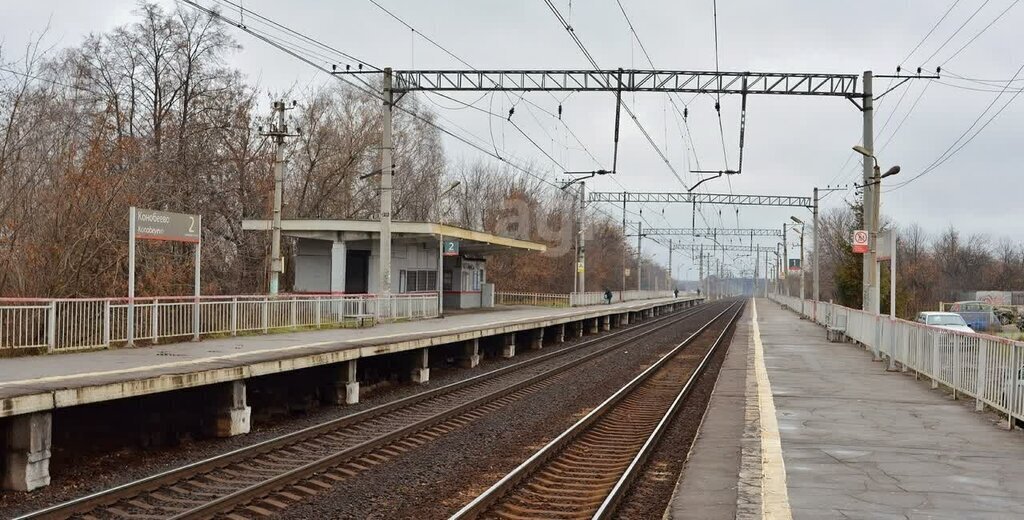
<point>343,257</point>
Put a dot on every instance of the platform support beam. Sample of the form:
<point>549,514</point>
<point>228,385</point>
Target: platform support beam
<point>232,415</point>
<point>26,455</point>
<point>345,389</point>
<point>606,323</point>
<point>624,319</point>
<point>470,353</point>
<point>421,366</point>
<point>592,326</point>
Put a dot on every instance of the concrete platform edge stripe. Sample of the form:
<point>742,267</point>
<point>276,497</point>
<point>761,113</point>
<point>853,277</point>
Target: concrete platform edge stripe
<point>358,341</point>
<point>774,496</point>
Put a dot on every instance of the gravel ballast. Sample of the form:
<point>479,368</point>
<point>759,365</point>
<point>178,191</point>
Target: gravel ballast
<point>435,480</point>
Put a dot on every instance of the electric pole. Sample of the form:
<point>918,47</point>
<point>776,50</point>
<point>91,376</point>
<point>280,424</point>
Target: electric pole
<point>639,253</point>
<point>386,152</point>
<point>785,259</point>
<point>278,132</point>
<point>622,296</point>
<point>580,240</point>
<point>871,293</point>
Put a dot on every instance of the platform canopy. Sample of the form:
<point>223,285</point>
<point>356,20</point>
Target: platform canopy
<point>471,242</point>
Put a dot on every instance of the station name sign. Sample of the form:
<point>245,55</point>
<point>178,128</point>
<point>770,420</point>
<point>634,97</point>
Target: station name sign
<point>151,224</point>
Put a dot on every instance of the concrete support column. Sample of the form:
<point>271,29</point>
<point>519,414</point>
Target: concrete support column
<point>592,326</point>
<point>27,451</point>
<point>232,415</point>
<point>559,333</point>
<point>470,354</point>
<point>508,345</point>
<point>624,319</point>
<point>421,366</point>
<point>606,323</point>
<point>577,329</point>
<point>345,389</point>
<point>537,339</point>
<point>338,254</point>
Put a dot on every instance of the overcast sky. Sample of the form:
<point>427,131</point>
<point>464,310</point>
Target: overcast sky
<point>793,143</point>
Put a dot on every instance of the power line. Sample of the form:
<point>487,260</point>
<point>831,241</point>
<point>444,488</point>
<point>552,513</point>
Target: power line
<point>956,32</point>
<point>982,31</point>
<point>951,151</point>
<point>918,46</point>
<point>579,43</point>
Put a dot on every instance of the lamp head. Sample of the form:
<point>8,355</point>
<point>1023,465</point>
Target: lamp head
<point>892,171</point>
<point>863,151</point>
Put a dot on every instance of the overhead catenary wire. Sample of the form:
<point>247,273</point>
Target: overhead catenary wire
<point>957,145</point>
<point>579,43</point>
<point>361,86</point>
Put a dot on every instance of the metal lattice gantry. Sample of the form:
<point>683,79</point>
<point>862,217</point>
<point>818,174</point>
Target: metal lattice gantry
<point>628,80</point>
<point>726,247</point>
<point>721,232</point>
<point>622,197</point>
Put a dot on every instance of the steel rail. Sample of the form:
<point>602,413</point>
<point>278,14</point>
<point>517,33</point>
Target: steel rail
<point>622,486</point>
<point>160,480</point>
<point>499,489</point>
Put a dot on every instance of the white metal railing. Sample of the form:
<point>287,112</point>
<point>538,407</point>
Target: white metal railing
<point>575,299</point>
<point>536,299</point>
<point>87,323</point>
<point>987,368</point>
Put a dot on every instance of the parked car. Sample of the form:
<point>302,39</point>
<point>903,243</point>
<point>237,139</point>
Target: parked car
<point>978,314</point>
<point>944,320</point>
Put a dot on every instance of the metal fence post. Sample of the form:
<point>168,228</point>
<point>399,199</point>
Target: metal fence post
<point>51,326</point>
<point>876,336</point>
<point>979,391</point>
<point>106,323</point>
<point>935,359</point>
<point>195,319</point>
<point>1011,406</point>
<point>956,364</point>
<point>294,312</point>
<point>266,315</point>
<point>319,303</point>
<point>154,318</point>
<point>234,316</point>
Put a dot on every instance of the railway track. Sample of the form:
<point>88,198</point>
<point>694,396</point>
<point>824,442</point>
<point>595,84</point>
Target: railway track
<point>264,479</point>
<point>587,470</point>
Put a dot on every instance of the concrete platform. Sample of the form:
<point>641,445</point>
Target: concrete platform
<point>827,433</point>
<point>41,383</point>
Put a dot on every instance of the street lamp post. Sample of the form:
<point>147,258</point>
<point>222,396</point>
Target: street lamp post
<point>801,224</point>
<point>874,183</point>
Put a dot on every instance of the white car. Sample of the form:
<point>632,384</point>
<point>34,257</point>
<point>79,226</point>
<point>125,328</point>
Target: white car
<point>944,320</point>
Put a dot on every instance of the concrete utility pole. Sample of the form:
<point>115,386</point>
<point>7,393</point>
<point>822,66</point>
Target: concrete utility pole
<point>870,281</point>
<point>386,152</point>
<point>580,239</point>
<point>624,255</point>
<point>639,253</point>
<point>700,276</point>
<point>670,264</point>
<point>785,259</point>
<point>802,270</point>
<point>817,254</point>
<point>278,132</point>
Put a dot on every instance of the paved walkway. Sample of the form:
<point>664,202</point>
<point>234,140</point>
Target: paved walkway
<point>37,383</point>
<point>856,441</point>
